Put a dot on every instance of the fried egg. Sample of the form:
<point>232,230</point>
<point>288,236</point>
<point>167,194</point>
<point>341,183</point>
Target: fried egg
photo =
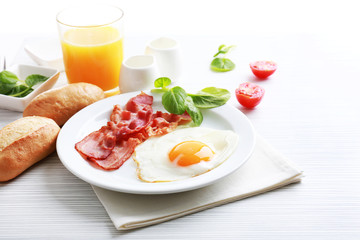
<point>183,153</point>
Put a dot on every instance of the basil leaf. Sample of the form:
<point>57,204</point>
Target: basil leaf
<point>222,65</point>
<point>8,80</point>
<point>17,89</point>
<point>27,92</point>
<point>219,92</point>
<point>174,100</point>
<point>162,82</point>
<point>11,85</point>
<point>8,77</point>
<point>5,88</point>
<point>220,50</point>
<point>223,49</point>
<point>158,90</point>
<point>193,111</point>
<point>20,91</point>
<point>34,79</point>
<point>210,97</point>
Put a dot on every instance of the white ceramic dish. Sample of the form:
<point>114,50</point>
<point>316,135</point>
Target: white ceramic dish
<point>168,56</point>
<point>22,71</point>
<point>138,73</point>
<point>125,179</point>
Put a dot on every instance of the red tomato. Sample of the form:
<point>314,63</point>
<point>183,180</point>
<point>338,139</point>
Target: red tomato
<point>263,69</point>
<point>249,94</point>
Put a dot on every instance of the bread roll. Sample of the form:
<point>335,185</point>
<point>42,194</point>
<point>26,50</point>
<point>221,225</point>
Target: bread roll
<point>62,103</point>
<point>25,142</point>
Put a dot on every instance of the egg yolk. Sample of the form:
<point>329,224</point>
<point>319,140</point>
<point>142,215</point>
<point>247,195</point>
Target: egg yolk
<point>190,152</point>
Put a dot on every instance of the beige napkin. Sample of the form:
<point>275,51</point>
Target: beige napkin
<point>266,170</point>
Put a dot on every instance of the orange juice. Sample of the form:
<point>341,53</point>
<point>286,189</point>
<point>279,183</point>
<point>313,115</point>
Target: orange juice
<point>93,55</point>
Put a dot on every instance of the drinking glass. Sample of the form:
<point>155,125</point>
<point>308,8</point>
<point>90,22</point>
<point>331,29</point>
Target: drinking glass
<point>92,45</point>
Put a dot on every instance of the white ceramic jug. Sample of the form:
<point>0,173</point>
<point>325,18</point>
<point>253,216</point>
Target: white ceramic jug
<point>168,56</point>
<point>138,73</point>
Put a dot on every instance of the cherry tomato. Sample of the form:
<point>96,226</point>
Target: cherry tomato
<point>249,94</point>
<point>263,69</point>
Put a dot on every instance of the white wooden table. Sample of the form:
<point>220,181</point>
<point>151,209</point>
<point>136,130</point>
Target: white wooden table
<point>310,112</point>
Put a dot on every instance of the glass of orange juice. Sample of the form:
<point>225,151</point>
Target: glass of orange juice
<point>92,44</point>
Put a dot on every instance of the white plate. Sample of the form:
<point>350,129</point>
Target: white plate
<point>124,179</point>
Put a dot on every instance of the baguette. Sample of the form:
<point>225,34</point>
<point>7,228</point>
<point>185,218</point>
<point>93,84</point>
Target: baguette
<point>25,142</point>
<point>62,103</point>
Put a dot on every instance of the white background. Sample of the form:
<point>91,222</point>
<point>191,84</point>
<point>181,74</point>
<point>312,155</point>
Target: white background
<point>310,113</point>
<point>337,21</point>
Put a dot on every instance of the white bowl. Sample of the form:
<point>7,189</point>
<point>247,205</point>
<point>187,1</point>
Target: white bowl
<point>22,71</point>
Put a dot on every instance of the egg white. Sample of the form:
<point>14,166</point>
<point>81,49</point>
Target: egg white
<point>153,164</point>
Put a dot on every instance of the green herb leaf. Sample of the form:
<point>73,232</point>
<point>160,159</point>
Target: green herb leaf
<point>223,49</point>
<point>8,77</point>
<point>159,90</point>
<point>11,85</point>
<point>220,50</point>
<point>210,97</point>
<point>8,80</point>
<point>5,88</point>
<point>17,89</point>
<point>162,82</point>
<point>193,111</point>
<point>34,79</point>
<point>222,46</point>
<point>20,91</point>
<point>174,100</point>
<point>222,65</point>
<point>227,49</point>
<point>25,93</point>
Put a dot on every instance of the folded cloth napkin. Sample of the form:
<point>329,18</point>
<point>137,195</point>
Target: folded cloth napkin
<point>266,170</point>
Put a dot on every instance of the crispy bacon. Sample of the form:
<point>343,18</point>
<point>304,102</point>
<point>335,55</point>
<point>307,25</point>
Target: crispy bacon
<point>137,103</point>
<point>124,123</point>
<point>164,123</point>
<point>180,119</point>
<point>113,144</point>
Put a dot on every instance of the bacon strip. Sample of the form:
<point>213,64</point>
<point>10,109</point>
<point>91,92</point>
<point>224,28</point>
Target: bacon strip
<point>113,144</point>
<point>125,124</point>
<point>134,118</point>
<point>164,123</point>
<point>139,102</point>
<point>122,125</point>
<point>118,156</point>
<point>98,144</point>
